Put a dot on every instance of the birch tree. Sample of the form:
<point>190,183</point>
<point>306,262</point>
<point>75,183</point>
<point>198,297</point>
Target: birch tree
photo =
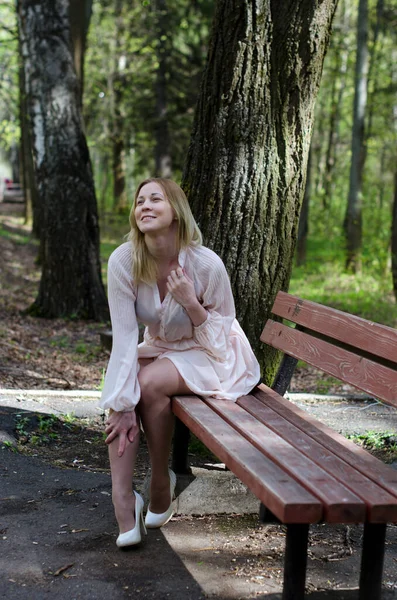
<point>71,282</point>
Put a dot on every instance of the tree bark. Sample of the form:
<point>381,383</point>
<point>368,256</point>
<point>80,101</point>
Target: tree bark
<point>71,284</point>
<point>353,218</point>
<point>246,164</point>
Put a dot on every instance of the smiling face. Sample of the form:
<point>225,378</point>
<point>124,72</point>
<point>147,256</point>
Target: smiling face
<point>153,212</point>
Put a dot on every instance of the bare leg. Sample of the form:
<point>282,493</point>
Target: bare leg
<point>159,381</point>
<point>122,470</point>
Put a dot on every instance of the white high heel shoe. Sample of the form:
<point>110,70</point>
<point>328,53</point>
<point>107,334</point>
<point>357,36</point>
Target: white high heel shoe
<point>155,520</point>
<point>133,536</point>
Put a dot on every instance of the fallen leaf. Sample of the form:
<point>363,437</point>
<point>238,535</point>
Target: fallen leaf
<point>62,569</point>
<point>79,530</point>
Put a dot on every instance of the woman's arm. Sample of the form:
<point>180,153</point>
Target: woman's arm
<point>121,389</point>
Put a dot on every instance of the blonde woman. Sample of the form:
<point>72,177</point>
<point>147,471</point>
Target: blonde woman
<point>164,277</point>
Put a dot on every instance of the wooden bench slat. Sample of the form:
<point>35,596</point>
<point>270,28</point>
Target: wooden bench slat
<point>381,505</point>
<point>340,504</point>
<point>286,498</point>
<point>363,373</point>
<point>349,329</point>
<point>357,457</point>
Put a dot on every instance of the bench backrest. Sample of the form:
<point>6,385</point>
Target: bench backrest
<point>352,349</point>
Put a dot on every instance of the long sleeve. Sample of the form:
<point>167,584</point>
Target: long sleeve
<point>217,299</point>
<point>121,390</point>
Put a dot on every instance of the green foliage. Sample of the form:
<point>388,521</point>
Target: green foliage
<point>102,382</point>
<point>16,236</point>
<point>41,429</point>
<point>9,446</point>
<point>332,153</point>
<point>9,119</point>
<point>383,444</point>
<point>122,62</point>
<point>324,280</point>
<point>199,449</point>
<point>60,342</point>
<point>81,348</point>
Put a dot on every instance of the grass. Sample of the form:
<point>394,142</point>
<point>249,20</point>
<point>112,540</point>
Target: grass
<point>37,429</point>
<point>17,236</point>
<point>382,444</point>
<point>323,279</point>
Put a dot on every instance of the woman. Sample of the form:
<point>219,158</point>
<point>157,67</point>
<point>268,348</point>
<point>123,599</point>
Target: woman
<point>164,278</point>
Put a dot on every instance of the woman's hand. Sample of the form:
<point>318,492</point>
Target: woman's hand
<point>182,289</point>
<point>125,426</point>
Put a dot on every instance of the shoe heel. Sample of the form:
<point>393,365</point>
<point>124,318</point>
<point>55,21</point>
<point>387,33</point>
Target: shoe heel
<point>143,526</point>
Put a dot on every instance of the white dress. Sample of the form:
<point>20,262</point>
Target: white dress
<point>214,359</point>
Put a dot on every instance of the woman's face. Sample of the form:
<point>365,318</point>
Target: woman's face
<point>153,212</point>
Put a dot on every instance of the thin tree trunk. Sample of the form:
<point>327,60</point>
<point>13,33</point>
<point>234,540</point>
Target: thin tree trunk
<point>394,239</point>
<point>246,164</point>
<point>303,228</point>
<point>120,201</point>
<point>372,64</point>
<point>353,218</point>
<point>317,146</point>
<point>32,201</point>
<point>336,104</point>
<point>71,282</point>
<point>80,15</point>
<point>163,160</point>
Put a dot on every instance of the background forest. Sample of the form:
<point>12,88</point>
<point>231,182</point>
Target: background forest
<point>143,63</point>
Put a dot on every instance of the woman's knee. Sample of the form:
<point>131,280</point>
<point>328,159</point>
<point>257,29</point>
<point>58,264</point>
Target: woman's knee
<point>150,385</point>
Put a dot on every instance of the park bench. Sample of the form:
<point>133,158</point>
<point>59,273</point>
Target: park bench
<point>302,471</point>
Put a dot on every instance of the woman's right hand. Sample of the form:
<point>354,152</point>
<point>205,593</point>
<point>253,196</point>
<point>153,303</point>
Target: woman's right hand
<point>122,425</point>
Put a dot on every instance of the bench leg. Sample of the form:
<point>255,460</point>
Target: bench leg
<point>266,515</point>
<point>284,374</point>
<point>180,462</point>
<point>372,561</point>
<point>295,562</point>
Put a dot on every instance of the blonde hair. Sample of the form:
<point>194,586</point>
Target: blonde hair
<point>144,267</point>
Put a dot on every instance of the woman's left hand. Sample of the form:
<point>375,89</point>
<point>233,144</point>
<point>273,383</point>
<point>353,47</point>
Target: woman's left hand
<point>123,425</point>
<point>182,289</point>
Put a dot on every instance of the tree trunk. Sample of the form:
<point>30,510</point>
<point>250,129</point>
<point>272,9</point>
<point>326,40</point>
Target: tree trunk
<point>303,228</point>
<point>338,88</point>
<point>32,201</point>
<point>163,162</point>
<point>80,16</point>
<point>394,239</point>
<point>246,164</point>
<point>71,282</point>
<point>120,201</point>
<point>353,218</point>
